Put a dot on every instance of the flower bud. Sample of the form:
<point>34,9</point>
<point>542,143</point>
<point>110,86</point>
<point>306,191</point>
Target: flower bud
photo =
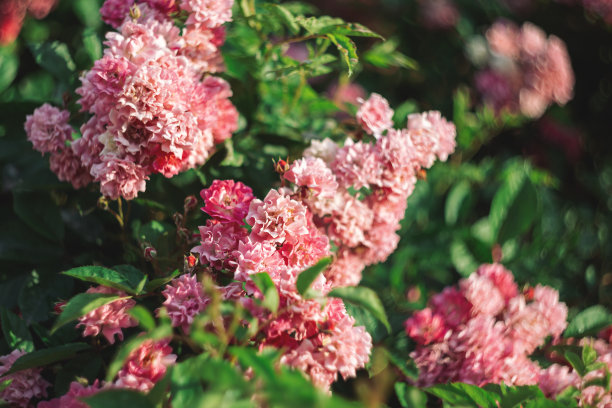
<point>191,202</point>
<point>150,253</point>
<point>281,167</point>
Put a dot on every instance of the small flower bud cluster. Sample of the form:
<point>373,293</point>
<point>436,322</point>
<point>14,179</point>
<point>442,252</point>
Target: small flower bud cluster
<point>527,71</point>
<point>484,330</point>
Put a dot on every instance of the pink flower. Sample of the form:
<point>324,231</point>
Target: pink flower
<point>345,270</point>
<point>554,312</point>
<point>325,150</point>
<point>305,250</point>
<point>25,385</point>
<point>432,135</point>
<point>453,305</point>
<point>185,299</point>
<point>218,241</point>
<point>276,217</point>
<point>350,221</point>
<point>357,165</point>
<point>72,399</point>
<point>68,167</point>
<point>146,365</point>
<point>227,201</point>
<point>110,318</point>
<point>501,278</point>
<point>313,174</point>
<point>438,14</point>
<point>424,327</point>
<point>113,12</point>
<point>48,129</point>
<point>556,378</point>
<point>208,13</point>
<point>484,296</point>
<point>375,116</point>
<point>119,178</point>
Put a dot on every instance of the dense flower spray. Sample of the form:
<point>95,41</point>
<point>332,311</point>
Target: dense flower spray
<point>484,330</point>
<point>153,109</point>
<point>527,72</point>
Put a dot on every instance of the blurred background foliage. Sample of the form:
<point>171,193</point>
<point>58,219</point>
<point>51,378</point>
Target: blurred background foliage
<point>539,202</point>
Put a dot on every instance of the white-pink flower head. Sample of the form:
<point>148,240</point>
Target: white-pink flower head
<point>25,385</point>
<point>432,135</point>
<point>109,319</point>
<point>276,217</point>
<point>374,115</point>
<point>313,174</point>
<point>227,200</point>
<point>48,129</point>
<point>185,299</point>
<point>119,178</point>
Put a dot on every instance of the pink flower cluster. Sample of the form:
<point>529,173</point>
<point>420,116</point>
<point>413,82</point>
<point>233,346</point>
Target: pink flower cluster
<point>527,72</point>
<point>484,330</point>
<point>109,319</point>
<point>184,300</point>
<point>72,398</point>
<point>283,240</point>
<point>357,193</point>
<point>153,110</point>
<point>25,385</point>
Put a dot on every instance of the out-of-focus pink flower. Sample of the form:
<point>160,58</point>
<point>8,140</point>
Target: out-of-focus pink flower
<point>113,12</point>
<point>346,93</point>
<point>25,385</point>
<point>501,278</point>
<point>324,149</point>
<point>227,200</point>
<point>484,296</point>
<point>374,115</point>
<point>185,299</point>
<point>601,7</point>
<point>146,365</point>
<point>345,270</point>
<point>72,399</point>
<point>556,378</point>
<point>13,12</point>
<point>109,319</point>
<point>432,135</point>
<point>68,167</point>
<point>425,327</point>
<point>48,129</point>
<point>438,14</point>
<point>208,13</point>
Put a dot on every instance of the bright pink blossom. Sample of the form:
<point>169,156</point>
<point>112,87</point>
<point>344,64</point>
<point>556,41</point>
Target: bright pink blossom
<point>146,365</point>
<point>25,385</point>
<point>276,217</point>
<point>314,175</point>
<point>424,327</point>
<point>218,241</point>
<point>185,299</point>
<point>227,200</point>
<point>109,319</point>
<point>375,116</point>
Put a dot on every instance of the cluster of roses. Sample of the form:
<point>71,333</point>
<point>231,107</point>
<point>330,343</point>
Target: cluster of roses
<point>154,108</point>
<point>527,71</point>
<point>357,193</point>
<point>484,330</point>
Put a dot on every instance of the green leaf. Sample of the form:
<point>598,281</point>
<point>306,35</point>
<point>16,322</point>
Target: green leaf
<point>462,258</point>
<point>161,332</point>
<point>118,398</point>
<point>55,58</point>
<point>576,362</point>
<point>9,64</point>
<point>365,298</point>
<point>263,365</point>
<point>514,207</point>
<point>589,355</point>
<point>410,397</point>
<point>144,317</point>
<point>284,15</point>
<point>459,393</point>
<point>159,282</point>
<point>454,202</point>
<point>385,55</point>
<point>268,289</point>
<point>92,44</point>
<point>82,304</point>
<point>314,25</point>
<point>545,403</point>
<point>307,276</point>
<point>129,280</point>
<point>347,49</point>
<point>46,356</point>
<point>40,213</point>
<point>16,333</point>
<point>589,321</point>
<point>350,30</point>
